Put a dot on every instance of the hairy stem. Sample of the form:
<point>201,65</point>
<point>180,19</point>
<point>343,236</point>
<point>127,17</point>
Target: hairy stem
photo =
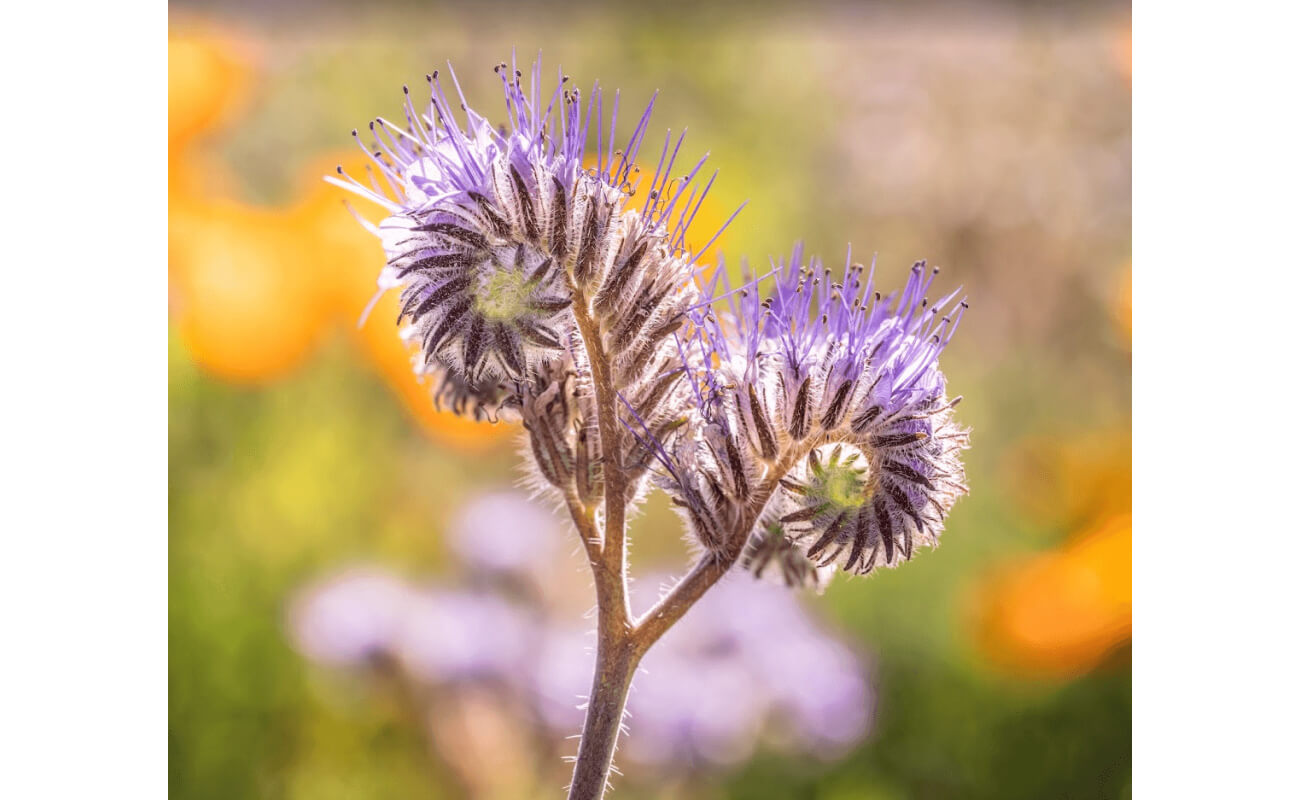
<point>711,567</point>
<point>616,653</point>
<point>586,525</point>
<point>613,558</point>
<point>615,664</point>
<point>620,644</point>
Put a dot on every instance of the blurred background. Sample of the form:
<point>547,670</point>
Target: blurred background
<point>343,623</point>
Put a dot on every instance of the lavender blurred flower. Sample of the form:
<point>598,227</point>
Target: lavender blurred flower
<point>506,533</point>
<point>459,635</point>
<point>729,678</point>
<point>363,615</point>
<point>349,618</point>
<point>737,671</point>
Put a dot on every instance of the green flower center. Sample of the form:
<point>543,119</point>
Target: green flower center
<point>838,480</point>
<point>842,487</point>
<point>504,296</point>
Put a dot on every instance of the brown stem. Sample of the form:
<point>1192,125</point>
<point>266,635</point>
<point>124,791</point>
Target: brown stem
<point>615,664</point>
<point>616,653</point>
<point>616,660</point>
<point>620,644</point>
<point>613,558</point>
<point>587,531</point>
<point>706,572</point>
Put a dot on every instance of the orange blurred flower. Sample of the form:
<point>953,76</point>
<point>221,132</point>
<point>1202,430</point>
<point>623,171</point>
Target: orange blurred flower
<point>1121,47</point>
<point>242,289</point>
<point>1060,613</point>
<point>208,75</point>
<point>1121,305</point>
<point>252,290</point>
<point>1067,482</point>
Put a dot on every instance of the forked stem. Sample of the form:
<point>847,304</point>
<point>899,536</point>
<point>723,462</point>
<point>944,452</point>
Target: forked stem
<point>620,642</point>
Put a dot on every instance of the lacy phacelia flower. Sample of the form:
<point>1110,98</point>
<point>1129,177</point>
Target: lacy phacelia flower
<point>494,234</point>
<point>835,390</point>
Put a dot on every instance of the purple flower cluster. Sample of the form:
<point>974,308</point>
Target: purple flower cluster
<point>800,424</point>
<point>837,388</point>
<point>495,233</point>
<point>803,421</point>
<point>733,676</point>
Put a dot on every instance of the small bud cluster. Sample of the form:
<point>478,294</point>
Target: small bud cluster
<point>772,555</point>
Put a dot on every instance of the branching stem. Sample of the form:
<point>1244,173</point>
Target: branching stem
<point>621,643</point>
<point>706,572</point>
<point>616,654</point>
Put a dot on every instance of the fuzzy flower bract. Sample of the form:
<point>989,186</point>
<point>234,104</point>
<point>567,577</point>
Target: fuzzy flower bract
<point>835,387</point>
<point>493,233</point>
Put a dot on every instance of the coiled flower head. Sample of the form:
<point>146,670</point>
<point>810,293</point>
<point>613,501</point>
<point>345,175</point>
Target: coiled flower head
<point>829,394</point>
<point>494,233</point>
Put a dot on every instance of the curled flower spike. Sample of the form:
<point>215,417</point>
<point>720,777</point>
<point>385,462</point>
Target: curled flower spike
<point>495,233</point>
<point>832,390</point>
